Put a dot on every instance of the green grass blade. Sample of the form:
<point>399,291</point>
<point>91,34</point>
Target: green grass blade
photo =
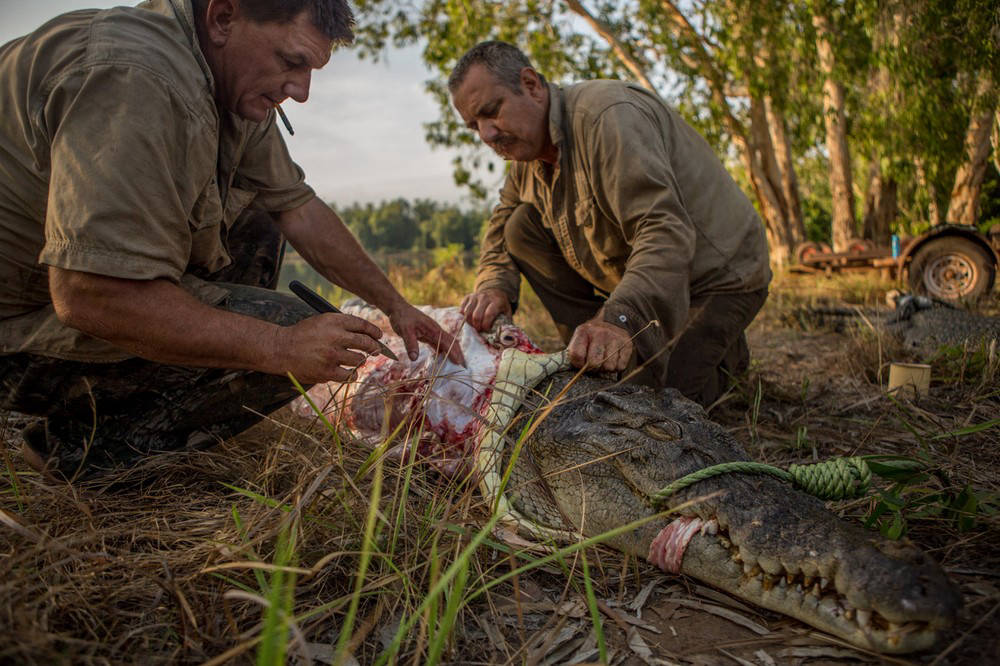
<point>281,599</point>
<point>367,546</point>
<point>595,613</point>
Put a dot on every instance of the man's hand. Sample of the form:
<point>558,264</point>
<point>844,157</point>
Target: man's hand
<point>482,307</point>
<point>327,347</point>
<point>413,325</point>
<point>598,345</point>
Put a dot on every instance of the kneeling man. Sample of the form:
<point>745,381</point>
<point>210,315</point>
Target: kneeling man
<point>638,242</point>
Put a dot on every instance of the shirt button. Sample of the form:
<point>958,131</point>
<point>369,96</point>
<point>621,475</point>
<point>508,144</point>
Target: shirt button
<point>622,318</point>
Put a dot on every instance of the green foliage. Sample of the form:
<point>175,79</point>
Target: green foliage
<point>909,72</point>
<point>399,225</point>
<point>919,491</point>
<point>989,199</point>
<point>280,600</point>
<point>971,364</point>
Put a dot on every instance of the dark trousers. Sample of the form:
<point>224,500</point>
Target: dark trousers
<point>102,416</point>
<point>699,362</point>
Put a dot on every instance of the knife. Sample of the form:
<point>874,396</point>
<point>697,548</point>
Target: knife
<point>320,304</point>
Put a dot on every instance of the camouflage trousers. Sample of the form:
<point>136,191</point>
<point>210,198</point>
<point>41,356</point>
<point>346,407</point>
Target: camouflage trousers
<point>106,416</point>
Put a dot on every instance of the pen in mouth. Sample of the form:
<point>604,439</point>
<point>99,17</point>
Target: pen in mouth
<point>284,119</point>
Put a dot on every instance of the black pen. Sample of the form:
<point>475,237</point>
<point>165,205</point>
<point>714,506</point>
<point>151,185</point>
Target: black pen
<point>320,304</point>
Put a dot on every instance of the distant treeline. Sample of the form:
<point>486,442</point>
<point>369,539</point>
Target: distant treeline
<point>400,225</point>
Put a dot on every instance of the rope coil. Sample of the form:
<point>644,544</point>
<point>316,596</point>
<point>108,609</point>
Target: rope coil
<point>837,478</point>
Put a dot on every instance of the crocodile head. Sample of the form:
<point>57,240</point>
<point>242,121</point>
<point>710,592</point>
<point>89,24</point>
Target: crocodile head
<point>592,464</point>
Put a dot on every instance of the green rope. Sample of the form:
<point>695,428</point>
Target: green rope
<point>838,478</point>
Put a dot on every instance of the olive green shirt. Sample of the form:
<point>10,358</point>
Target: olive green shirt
<point>639,205</point>
<point>115,160</point>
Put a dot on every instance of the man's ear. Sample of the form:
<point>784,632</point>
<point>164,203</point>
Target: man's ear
<point>531,84</point>
<point>219,18</point>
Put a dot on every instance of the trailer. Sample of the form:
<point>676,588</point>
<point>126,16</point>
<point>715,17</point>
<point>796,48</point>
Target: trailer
<point>950,262</point>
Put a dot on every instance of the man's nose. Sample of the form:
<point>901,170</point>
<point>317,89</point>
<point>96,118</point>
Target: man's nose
<point>298,86</point>
<point>488,130</point>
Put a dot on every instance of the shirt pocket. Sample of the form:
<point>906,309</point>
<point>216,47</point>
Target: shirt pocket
<point>207,210</point>
<point>207,249</point>
<point>604,246</point>
<point>236,202</point>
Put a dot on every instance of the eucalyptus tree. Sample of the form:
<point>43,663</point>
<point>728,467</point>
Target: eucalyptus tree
<point>931,117</point>
<point>828,19</point>
<point>720,63</point>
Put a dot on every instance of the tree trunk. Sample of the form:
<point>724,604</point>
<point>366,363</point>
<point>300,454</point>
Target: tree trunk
<point>786,167</point>
<point>934,213</point>
<point>835,121</point>
<point>881,204</point>
<point>995,140</point>
<point>963,206</point>
<point>767,193</point>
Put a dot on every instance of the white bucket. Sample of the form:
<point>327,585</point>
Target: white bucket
<point>909,379</point>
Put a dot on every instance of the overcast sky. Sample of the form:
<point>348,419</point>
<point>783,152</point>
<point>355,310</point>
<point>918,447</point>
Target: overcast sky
<point>360,135</point>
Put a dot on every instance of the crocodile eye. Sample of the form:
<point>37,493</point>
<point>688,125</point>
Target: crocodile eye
<point>663,430</point>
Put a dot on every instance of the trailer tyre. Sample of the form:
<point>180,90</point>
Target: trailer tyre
<point>951,269</point>
<point>805,251</point>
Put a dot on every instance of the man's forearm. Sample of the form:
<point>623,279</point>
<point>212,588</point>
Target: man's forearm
<point>159,321</point>
<point>322,238</point>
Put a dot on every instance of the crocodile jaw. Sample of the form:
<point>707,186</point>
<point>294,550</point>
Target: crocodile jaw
<point>710,556</point>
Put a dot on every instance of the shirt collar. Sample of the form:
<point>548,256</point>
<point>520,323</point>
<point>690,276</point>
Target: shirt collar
<point>184,14</point>
<point>556,104</point>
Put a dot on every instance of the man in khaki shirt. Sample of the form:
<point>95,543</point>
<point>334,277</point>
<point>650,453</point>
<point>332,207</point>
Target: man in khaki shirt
<point>636,239</point>
<point>145,194</point>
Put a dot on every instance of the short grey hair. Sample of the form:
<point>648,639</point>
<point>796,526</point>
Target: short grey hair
<point>505,61</point>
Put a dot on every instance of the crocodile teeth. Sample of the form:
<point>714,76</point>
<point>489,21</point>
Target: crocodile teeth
<point>767,583</point>
<point>823,582</point>
<point>816,590</point>
<point>849,613</point>
<point>864,618</point>
<point>807,582</point>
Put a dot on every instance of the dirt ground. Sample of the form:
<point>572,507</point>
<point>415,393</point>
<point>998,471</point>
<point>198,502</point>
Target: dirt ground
<point>119,576</point>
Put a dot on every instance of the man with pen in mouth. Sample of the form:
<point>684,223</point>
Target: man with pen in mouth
<point>145,196</point>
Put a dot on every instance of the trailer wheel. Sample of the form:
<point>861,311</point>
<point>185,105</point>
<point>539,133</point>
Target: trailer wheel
<point>951,268</point>
<point>805,251</point>
<point>859,245</point>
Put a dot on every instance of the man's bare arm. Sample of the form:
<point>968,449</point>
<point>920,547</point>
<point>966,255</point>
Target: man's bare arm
<point>322,238</point>
<point>159,321</point>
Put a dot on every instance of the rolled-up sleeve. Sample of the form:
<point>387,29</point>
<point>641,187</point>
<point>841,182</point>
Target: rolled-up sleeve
<point>634,185</point>
<point>497,269</point>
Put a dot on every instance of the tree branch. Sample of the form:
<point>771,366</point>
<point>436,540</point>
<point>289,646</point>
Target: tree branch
<point>616,45</point>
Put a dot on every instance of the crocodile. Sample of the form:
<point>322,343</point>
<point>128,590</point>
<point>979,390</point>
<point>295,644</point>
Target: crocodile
<point>924,324</point>
<point>918,323</point>
<point>595,453</point>
<point>602,451</point>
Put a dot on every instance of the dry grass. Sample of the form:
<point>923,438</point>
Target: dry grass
<point>178,562</point>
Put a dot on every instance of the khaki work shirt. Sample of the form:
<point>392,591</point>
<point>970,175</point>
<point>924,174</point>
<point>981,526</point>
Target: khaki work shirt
<point>115,160</point>
<point>639,205</point>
